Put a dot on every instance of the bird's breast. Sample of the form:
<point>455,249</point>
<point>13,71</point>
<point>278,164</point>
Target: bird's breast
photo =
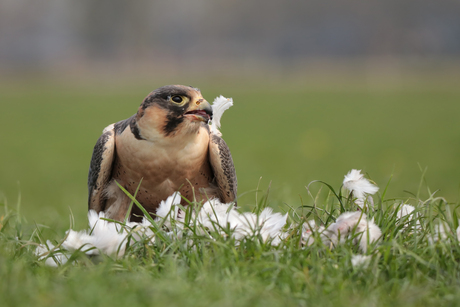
<point>165,166</point>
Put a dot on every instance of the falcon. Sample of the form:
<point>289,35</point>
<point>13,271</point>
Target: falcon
<point>167,146</point>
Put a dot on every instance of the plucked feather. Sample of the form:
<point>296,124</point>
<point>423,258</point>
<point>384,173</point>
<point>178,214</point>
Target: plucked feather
<point>219,106</point>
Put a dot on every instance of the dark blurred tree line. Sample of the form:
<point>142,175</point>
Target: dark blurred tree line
<point>39,34</point>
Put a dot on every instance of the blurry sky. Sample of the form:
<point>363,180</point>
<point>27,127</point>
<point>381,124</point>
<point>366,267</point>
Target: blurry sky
<point>60,35</point>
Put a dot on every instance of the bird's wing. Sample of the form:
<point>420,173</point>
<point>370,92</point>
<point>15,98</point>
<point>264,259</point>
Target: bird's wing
<point>100,169</point>
<point>223,168</point>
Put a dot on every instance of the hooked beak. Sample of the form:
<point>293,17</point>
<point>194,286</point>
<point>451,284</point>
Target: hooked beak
<point>200,111</point>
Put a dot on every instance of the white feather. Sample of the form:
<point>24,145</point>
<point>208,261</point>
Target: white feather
<point>271,225</point>
<point>168,212</point>
<point>104,237</point>
<point>165,206</point>
<point>309,229</point>
<point>219,106</point>
<point>443,232</point>
<point>360,261</point>
<point>458,232</point>
<point>46,252</point>
<point>216,216</point>
<point>361,188</point>
<point>406,214</point>
<point>349,223</point>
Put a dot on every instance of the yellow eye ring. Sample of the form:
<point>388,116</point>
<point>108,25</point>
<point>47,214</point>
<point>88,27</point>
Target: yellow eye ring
<point>178,99</point>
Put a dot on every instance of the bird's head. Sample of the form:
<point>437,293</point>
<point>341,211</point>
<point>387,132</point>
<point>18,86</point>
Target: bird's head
<point>173,108</point>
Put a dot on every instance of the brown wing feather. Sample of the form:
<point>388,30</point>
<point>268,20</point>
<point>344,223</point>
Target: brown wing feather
<point>100,169</point>
<point>223,168</point>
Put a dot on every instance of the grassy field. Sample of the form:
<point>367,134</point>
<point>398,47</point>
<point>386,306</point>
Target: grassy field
<point>404,269</point>
<point>290,135</point>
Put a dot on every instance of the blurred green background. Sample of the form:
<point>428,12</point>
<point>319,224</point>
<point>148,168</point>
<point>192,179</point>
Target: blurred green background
<point>319,88</point>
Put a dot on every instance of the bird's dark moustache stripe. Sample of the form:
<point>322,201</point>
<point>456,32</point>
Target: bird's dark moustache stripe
<point>174,118</point>
<point>135,130</point>
<point>172,123</point>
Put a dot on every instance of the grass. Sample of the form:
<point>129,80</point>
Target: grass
<point>405,270</point>
<point>289,135</point>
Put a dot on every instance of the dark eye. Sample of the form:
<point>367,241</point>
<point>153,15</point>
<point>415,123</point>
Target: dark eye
<point>176,99</point>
